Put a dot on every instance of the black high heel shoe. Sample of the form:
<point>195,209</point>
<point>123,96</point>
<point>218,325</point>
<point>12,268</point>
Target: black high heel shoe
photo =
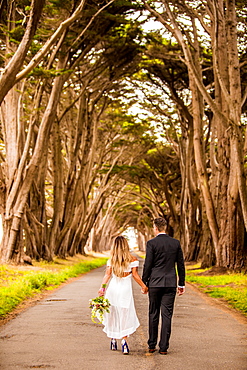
<point>125,348</point>
<point>113,344</point>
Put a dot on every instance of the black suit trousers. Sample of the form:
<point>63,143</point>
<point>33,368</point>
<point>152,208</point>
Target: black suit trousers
<point>161,300</point>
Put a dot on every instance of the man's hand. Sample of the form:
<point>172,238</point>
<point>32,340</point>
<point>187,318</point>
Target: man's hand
<point>144,290</point>
<point>180,290</point>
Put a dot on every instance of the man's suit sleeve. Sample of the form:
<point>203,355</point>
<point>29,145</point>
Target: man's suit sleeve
<point>148,264</point>
<point>180,267</point>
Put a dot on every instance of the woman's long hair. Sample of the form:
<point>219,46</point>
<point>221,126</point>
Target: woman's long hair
<point>120,256</point>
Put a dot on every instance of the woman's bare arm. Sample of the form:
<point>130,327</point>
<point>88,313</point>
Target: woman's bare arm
<point>139,281</point>
<point>105,280</point>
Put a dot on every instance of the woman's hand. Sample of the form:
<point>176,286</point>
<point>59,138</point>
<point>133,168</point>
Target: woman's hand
<point>144,290</point>
<point>101,292</point>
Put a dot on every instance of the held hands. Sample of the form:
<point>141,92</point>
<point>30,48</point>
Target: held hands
<point>144,290</point>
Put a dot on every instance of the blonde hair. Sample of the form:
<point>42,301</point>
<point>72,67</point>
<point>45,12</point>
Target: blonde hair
<point>120,256</point>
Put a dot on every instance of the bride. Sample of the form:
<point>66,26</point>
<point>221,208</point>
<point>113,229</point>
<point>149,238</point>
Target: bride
<point>122,320</point>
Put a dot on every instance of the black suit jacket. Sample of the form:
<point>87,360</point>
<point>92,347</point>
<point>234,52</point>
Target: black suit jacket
<point>163,253</point>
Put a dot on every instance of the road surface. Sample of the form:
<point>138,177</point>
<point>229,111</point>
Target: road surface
<point>57,333</point>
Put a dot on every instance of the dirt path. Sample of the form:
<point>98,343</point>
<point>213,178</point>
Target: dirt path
<point>57,333</point>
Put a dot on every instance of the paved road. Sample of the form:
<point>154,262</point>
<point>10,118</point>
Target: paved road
<point>58,333</point>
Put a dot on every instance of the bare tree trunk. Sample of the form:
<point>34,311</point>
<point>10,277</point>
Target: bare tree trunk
<point>18,202</point>
<point>58,187</point>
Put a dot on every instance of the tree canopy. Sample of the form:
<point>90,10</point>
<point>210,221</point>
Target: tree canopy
<point>116,112</point>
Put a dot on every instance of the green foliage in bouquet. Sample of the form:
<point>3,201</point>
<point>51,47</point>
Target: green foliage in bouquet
<point>99,306</point>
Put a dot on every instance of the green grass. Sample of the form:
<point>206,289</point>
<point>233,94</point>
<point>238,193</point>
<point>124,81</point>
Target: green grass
<point>231,287</point>
<point>17,285</point>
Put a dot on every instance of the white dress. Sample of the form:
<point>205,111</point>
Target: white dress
<point>121,321</point>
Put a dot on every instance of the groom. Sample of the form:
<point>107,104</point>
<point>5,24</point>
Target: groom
<point>159,274</point>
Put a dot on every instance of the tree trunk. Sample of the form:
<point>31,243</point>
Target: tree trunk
<point>13,219</point>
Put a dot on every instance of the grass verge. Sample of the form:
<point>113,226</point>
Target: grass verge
<point>18,284</point>
<point>231,287</point>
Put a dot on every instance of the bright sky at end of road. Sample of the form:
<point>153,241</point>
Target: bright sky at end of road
<point>131,236</point>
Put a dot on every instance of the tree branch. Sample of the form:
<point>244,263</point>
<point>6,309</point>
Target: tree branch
<point>8,78</point>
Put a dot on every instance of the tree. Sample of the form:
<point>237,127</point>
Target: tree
<point>224,191</point>
<point>77,164</point>
<point>22,167</point>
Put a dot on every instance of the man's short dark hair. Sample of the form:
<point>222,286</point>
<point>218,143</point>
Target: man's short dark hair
<point>160,223</point>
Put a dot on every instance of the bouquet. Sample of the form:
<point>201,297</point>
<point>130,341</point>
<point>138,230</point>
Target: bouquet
<point>99,306</point>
